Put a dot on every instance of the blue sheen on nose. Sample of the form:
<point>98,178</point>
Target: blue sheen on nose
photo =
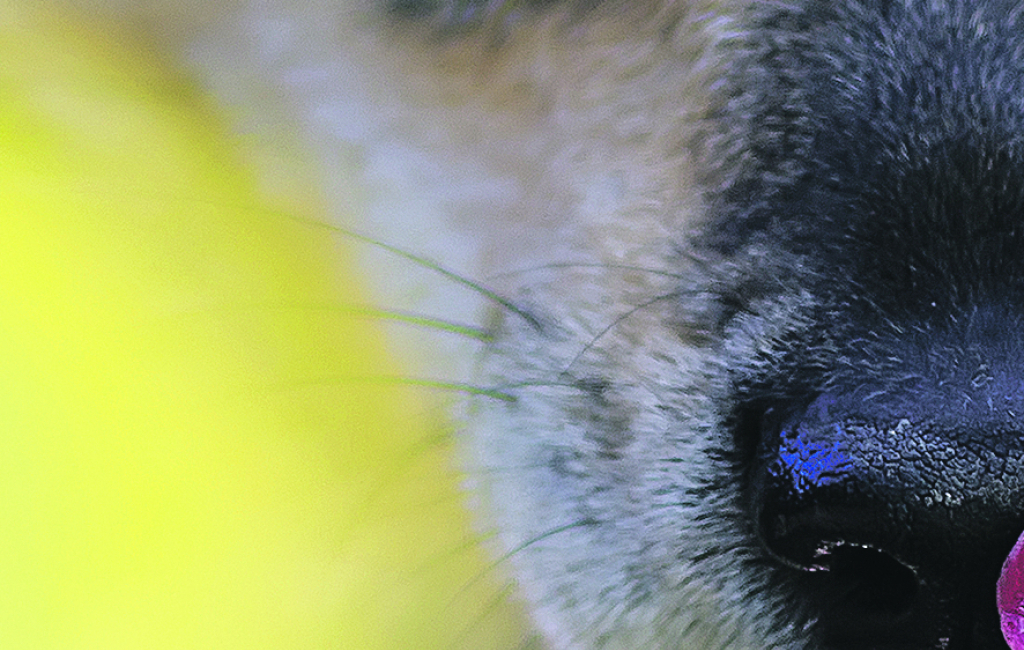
<point>810,463</point>
<point>805,458</point>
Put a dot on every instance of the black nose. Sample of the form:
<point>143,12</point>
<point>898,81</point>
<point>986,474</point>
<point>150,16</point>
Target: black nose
<point>900,522</point>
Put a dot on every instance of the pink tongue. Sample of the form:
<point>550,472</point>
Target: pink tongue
<point>1010,597</point>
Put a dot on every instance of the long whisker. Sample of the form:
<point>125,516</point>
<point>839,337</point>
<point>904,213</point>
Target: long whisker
<point>585,265</point>
<point>619,319</point>
<point>498,596</point>
<point>410,318</point>
<point>404,317</point>
<point>425,382</point>
<point>436,268</point>
<point>455,387</point>
<point>505,557</point>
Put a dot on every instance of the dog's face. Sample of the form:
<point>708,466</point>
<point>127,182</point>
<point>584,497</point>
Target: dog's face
<point>757,381</point>
<point>815,439</point>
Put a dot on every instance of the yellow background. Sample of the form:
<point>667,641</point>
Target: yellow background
<point>199,445</point>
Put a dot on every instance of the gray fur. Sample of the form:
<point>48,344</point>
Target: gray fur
<point>616,478</point>
<point>610,477</point>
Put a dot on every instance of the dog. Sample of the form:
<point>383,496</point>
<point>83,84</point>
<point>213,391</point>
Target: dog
<point>754,283</point>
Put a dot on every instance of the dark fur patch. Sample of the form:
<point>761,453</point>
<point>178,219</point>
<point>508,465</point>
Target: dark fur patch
<point>884,146</point>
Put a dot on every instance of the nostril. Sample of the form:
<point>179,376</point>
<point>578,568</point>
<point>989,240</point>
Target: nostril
<point>866,584</point>
<point>865,596</point>
<point>887,552</point>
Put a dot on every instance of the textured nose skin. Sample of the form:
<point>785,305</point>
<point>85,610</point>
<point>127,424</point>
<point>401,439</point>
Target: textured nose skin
<point>908,519</point>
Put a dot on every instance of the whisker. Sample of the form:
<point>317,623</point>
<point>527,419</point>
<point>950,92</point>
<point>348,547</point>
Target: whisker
<point>619,319</point>
<point>421,320</point>
<point>557,530</point>
<point>505,557</point>
<point>530,641</point>
<point>437,268</point>
<point>497,595</point>
<point>457,387</point>
<point>585,265</point>
<point>403,317</point>
<point>425,382</point>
